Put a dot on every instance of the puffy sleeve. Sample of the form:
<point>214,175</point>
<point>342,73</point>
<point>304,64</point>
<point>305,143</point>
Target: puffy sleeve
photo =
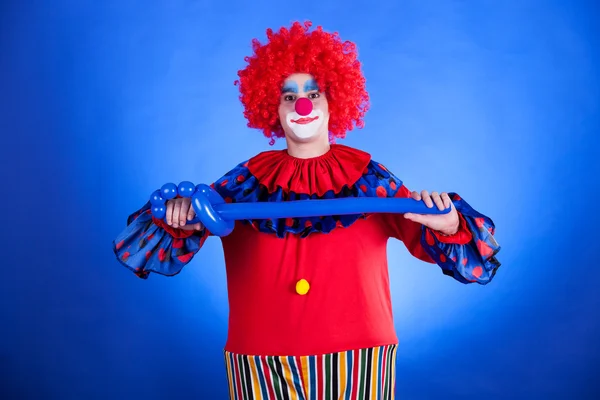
<point>468,256</point>
<point>149,245</point>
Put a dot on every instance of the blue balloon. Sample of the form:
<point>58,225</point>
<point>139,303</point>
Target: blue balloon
<point>169,191</point>
<point>314,208</point>
<point>186,189</point>
<point>159,211</point>
<point>156,199</point>
<point>219,217</point>
<point>203,202</point>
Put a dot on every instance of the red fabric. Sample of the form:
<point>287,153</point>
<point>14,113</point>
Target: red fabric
<point>409,232</point>
<point>175,232</point>
<point>347,307</point>
<point>340,166</point>
<point>462,236</point>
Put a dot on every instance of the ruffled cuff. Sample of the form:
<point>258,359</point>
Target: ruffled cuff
<point>148,245</point>
<point>466,261</point>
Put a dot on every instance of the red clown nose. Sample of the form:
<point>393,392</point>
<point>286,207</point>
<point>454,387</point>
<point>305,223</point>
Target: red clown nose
<point>303,106</point>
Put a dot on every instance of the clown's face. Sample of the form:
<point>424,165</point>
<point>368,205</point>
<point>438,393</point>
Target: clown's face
<point>303,109</point>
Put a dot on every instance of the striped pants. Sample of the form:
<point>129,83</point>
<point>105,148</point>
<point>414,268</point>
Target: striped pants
<point>365,374</point>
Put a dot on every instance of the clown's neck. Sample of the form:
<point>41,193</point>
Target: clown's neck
<point>309,149</point>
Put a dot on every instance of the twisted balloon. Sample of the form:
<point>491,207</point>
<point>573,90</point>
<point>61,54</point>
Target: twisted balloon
<point>219,217</point>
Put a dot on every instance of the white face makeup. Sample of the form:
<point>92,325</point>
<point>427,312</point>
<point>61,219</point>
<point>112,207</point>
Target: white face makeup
<point>295,125</point>
<point>305,126</point>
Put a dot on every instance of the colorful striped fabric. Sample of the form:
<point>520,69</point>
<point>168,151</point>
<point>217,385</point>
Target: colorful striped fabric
<point>365,374</point>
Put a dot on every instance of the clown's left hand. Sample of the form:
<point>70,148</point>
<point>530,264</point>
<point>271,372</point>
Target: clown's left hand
<point>447,224</point>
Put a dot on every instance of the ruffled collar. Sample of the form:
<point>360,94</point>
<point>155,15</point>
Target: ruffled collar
<point>340,166</point>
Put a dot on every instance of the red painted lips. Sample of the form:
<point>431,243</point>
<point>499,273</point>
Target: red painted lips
<point>304,120</point>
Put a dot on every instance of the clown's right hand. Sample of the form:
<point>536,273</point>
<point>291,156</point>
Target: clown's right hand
<point>179,212</point>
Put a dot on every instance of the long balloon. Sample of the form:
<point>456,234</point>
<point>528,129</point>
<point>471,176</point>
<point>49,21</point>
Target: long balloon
<point>219,217</point>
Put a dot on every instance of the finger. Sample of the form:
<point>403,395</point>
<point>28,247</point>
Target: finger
<point>437,200</point>
<point>415,195</point>
<point>418,218</point>
<point>184,211</point>
<point>176,212</point>
<point>427,198</point>
<point>446,200</point>
<point>191,212</point>
<point>169,214</point>
<point>194,227</point>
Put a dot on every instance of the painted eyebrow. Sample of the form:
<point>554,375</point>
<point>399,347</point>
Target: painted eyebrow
<point>311,84</point>
<point>290,87</point>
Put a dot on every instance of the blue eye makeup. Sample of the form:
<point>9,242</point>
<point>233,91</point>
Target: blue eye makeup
<point>290,87</point>
<point>310,85</point>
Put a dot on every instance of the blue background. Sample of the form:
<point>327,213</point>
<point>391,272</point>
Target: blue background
<point>102,104</point>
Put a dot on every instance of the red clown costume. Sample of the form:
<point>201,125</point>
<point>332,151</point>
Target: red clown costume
<point>309,298</point>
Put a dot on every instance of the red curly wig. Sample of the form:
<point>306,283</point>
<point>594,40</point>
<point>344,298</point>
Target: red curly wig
<point>333,64</point>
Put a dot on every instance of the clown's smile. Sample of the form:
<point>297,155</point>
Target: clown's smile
<point>304,120</point>
<point>305,126</point>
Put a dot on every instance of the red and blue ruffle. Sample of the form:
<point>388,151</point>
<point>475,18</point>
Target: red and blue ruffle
<point>149,245</point>
<point>239,185</point>
<point>474,261</point>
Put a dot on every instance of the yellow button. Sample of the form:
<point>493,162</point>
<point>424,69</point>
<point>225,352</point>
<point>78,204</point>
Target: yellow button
<point>302,287</point>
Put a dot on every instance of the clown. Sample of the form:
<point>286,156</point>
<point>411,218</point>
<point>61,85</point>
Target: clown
<point>309,298</point>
